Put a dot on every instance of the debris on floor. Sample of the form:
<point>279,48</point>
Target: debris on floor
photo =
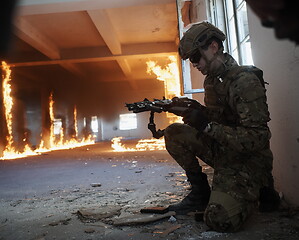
<point>89,230</point>
<point>96,184</point>
<point>140,218</point>
<point>166,228</point>
<point>60,222</point>
<point>69,207</point>
<point>97,214</point>
<point>159,210</point>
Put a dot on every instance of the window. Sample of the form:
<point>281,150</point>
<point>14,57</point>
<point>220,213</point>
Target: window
<point>94,124</point>
<point>127,121</point>
<point>57,126</point>
<point>231,17</point>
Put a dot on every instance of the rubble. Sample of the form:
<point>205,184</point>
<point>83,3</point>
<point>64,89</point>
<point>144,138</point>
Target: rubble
<point>89,230</point>
<point>140,218</point>
<point>96,214</point>
<point>68,207</point>
<point>96,184</point>
<point>171,229</point>
<point>212,234</point>
<point>60,222</point>
<point>166,228</point>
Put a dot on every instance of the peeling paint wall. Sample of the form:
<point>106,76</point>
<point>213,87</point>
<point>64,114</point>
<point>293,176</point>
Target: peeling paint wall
<point>279,60</point>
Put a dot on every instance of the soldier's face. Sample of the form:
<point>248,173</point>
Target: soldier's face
<point>207,56</point>
<point>200,65</point>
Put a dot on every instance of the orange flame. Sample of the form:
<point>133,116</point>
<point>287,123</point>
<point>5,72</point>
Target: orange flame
<point>51,113</point>
<point>170,75</point>
<point>171,78</point>
<point>10,152</point>
<point>8,103</point>
<point>61,143</point>
<point>75,122</point>
<point>142,145</point>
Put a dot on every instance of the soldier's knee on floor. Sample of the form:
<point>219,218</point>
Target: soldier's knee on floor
<point>217,218</point>
<point>224,213</point>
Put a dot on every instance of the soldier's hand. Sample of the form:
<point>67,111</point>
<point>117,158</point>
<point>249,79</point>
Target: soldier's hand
<point>195,118</point>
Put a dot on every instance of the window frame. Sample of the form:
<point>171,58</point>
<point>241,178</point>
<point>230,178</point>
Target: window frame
<point>224,19</point>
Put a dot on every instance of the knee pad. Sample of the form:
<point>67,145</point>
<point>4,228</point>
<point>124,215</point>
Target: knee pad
<point>224,213</point>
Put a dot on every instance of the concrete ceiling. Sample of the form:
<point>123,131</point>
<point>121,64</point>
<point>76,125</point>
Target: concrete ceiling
<point>109,39</point>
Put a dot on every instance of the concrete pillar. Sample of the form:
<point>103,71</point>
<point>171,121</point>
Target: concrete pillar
<point>3,126</point>
<point>87,129</point>
<point>21,135</point>
<point>100,130</point>
<point>70,125</point>
<point>33,120</point>
<point>63,119</point>
<point>46,121</point>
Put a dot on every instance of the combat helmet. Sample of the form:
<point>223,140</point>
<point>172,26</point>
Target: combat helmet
<point>197,36</point>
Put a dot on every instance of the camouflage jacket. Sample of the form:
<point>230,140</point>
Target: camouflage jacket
<point>236,105</point>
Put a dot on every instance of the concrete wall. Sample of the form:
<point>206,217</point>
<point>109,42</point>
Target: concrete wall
<point>111,129</point>
<point>113,97</point>
<point>279,59</point>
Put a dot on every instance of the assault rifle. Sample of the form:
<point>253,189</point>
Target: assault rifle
<point>177,106</point>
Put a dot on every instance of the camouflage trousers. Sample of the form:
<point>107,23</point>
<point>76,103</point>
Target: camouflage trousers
<point>237,177</point>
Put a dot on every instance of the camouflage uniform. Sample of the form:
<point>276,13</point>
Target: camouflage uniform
<point>236,146</point>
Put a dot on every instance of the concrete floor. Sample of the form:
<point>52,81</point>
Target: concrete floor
<point>41,196</point>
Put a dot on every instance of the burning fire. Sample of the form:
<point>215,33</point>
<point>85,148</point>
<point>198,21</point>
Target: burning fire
<point>61,143</point>
<point>169,75</point>
<point>171,78</point>
<point>75,123</point>
<point>8,103</point>
<point>142,145</point>
<point>10,152</point>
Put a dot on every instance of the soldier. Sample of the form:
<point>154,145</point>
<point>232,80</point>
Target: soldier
<point>229,133</point>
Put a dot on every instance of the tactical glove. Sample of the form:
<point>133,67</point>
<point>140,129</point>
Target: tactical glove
<point>195,118</point>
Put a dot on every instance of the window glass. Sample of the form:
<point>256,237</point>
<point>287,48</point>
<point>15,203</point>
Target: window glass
<point>213,13</point>
<point>246,53</point>
<point>94,124</point>
<point>238,2</point>
<point>229,8</point>
<point>237,30</point>
<point>235,55</point>
<point>232,33</point>
<point>57,126</point>
<point>242,22</point>
<point>127,121</point>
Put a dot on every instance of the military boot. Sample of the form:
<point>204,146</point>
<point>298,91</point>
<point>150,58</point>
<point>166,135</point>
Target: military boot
<point>198,198</point>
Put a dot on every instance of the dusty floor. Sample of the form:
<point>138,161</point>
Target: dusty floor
<point>82,193</point>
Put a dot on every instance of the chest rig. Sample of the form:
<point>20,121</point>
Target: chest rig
<point>219,99</point>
